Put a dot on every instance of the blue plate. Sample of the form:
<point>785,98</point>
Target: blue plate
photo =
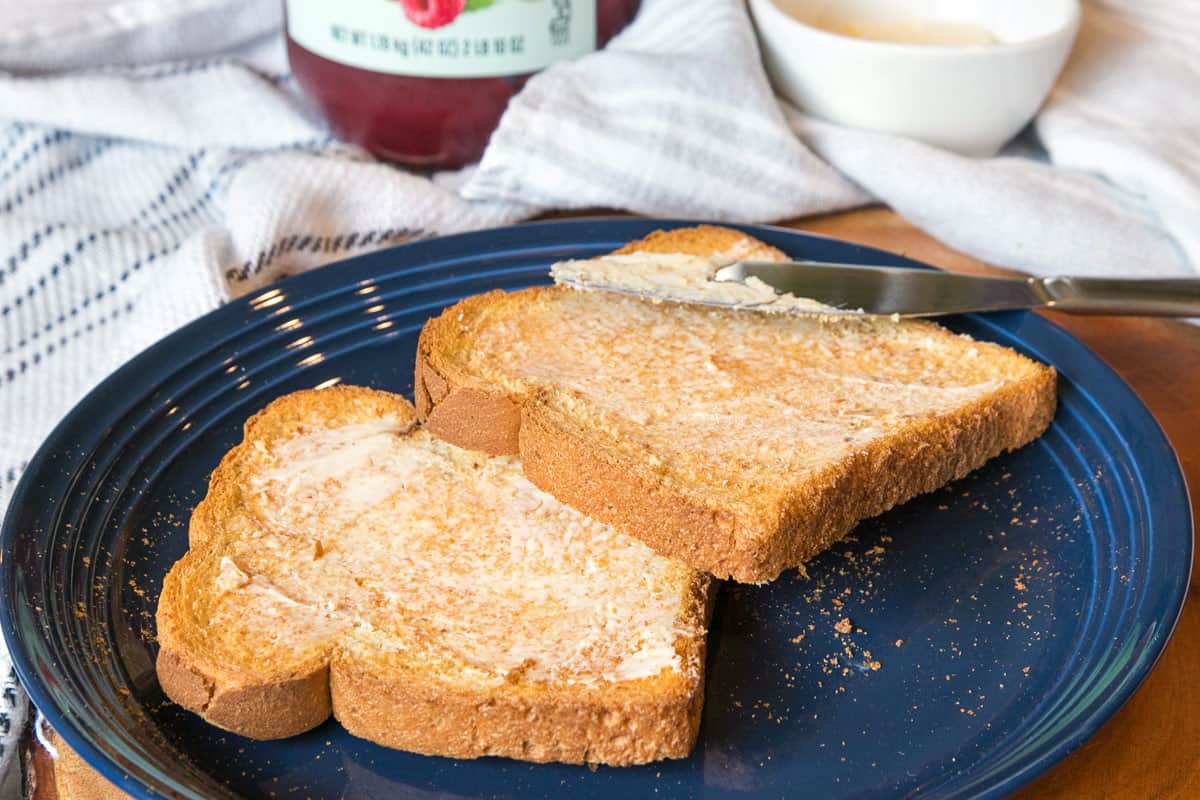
<point>994,625</point>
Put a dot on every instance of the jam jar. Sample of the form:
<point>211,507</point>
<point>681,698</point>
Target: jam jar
<point>424,82</point>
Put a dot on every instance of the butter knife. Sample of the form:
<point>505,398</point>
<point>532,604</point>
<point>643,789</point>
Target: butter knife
<point>908,292</point>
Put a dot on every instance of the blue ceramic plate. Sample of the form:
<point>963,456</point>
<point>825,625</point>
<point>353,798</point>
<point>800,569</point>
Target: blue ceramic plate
<point>997,623</point>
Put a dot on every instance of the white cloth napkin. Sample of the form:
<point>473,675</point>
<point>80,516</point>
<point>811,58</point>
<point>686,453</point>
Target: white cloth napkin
<point>135,198</point>
<point>73,34</point>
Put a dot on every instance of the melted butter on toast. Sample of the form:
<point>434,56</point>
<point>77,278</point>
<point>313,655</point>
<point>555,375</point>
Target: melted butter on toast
<point>731,402</point>
<point>375,537</point>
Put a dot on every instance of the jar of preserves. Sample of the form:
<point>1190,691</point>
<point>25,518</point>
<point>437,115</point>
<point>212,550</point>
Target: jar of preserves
<point>424,82</point>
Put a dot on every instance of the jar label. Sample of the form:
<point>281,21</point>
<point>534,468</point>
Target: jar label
<point>445,38</point>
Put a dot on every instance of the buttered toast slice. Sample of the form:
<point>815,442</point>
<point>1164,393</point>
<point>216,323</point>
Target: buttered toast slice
<point>737,442</point>
<point>430,597</point>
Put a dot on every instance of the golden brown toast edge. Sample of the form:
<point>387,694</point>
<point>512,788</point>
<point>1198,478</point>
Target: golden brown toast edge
<point>555,455</point>
<point>413,711</point>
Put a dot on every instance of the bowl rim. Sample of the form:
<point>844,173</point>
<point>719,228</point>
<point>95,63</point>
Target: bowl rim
<point>1067,30</point>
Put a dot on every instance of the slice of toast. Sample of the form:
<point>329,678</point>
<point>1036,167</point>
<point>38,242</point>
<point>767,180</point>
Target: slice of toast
<point>431,598</point>
<point>739,443</point>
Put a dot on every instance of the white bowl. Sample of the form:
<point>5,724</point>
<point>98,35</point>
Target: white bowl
<point>967,98</point>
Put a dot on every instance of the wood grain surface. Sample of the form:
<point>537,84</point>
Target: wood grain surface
<point>1151,748</point>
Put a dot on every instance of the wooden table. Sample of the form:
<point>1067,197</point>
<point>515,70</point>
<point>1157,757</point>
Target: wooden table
<point>1151,749</point>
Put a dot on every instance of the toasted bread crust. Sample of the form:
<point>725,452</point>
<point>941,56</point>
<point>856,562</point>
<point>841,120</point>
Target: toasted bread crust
<point>471,417</point>
<point>406,707</point>
<point>557,458</point>
<point>266,709</point>
<point>704,240</point>
<point>567,724</point>
<point>560,458</point>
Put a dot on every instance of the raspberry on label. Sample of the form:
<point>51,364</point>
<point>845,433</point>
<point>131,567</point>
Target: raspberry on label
<point>433,13</point>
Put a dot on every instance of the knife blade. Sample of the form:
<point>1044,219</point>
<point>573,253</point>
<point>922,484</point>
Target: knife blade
<point>913,292</point>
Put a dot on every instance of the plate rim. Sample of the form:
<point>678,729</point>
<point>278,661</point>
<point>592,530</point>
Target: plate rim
<point>113,770</point>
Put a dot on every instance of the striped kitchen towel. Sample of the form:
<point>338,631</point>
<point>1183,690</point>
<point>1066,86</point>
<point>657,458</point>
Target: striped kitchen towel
<point>136,196</point>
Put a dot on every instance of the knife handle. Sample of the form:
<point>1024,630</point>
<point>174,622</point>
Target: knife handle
<point>1151,297</point>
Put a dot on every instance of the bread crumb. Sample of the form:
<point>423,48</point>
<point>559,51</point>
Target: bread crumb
<point>899,643</point>
<point>844,626</point>
<point>797,639</point>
